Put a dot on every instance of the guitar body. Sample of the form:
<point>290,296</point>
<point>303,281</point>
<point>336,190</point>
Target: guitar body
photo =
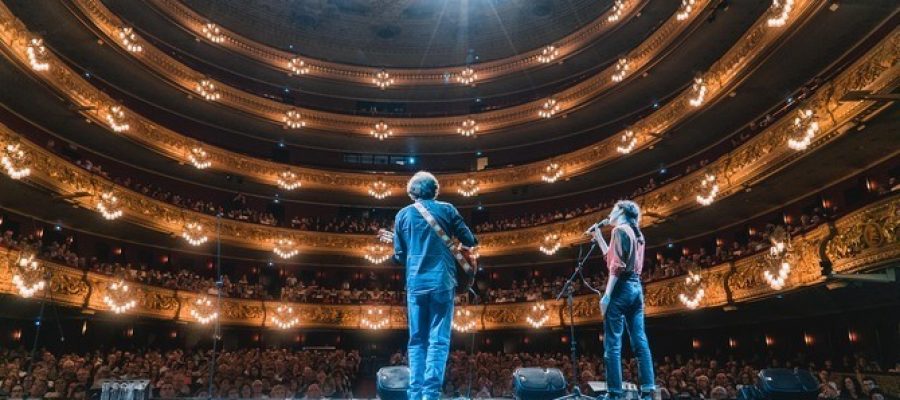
<point>466,264</point>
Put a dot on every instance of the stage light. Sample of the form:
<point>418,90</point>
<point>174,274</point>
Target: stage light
<point>382,79</point>
<point>208,90</point>
<point>552,172</point>
<point>115,117</point>
<point>284,317</point>
<point>709,190</point>
<point>781,11</point>
<point>381,131</point>
<point>698,92</point>
<point>108,205</point>
<point>38,56</point>
<point>687,6</point>
<point>288,180</point>
<point>199,158</point>
<point>15,161</point>
<point>293,119</point>
<point>468,127</point>
<point>622,68</point>
<point>213,33</point>
<point>538,316</point>
<point>548,54</point>
<point>629,141</point>
<point>285,248</point>
<point>28,275</point>
<point>204,311</point>
<point>129,40</point>
<point>468,187</point>
<point>467,76</point>
<point>550,244</point>
<point>374,319</point>
<point>193,233</point>
<point>379,189</point>
<point>804,129</point>
<point>118,298</point>
<point>298,66</point>
<point>549,108</point>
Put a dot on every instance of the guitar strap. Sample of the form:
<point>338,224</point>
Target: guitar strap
<point>444,237</point>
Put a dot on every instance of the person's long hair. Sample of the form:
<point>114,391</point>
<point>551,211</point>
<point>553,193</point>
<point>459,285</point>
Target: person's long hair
<point>632,213</point>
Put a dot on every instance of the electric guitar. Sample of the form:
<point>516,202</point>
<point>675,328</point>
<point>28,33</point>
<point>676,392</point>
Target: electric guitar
<point>466,259</point>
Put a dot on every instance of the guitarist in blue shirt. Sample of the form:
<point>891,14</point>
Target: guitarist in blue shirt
<point>422,243</point>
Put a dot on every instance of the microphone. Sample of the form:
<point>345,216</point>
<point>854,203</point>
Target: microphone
<point>602,223</point>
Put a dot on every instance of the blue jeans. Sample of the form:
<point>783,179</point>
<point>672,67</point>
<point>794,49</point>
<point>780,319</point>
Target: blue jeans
<point>430,316</point>
<point>626,311</point>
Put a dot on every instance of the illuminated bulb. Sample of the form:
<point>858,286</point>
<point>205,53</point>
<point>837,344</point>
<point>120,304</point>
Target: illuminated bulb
<point>618,8</point>
<point>288,180</point>
<point>550,244</point>
<point>538,316</point>
<point>117,297</point>
<point>779,278</point>
<point>284,317</point>
<point>193,233</point>
<point>622,68</point>
<point>467,76</point>
<point>293,120</point>
<point>213,33</point>
<point>129,40</point>
<point>377,253</point>
<point>692,301</point>
<point>298,66</point>
<point>379,189</point>
<point>374,319</point>
<point>199,158</point>
<point>38,56</point>
<point>804,130</point>
<point>381,131</point>
<point>468,128</point>
<point>208,90</point>
<point>781,10</point>
<point>204,310</point>
<point>15,161</point>
<point>549,108</point>
<point>463,320</point>
<point>115,117</point>
<point>698,90</point>
<point>383,79</point>
<point>28,276</point>
<point>710,188</point>
<point>108,206</point>
<point>548,54</point>
<point>687,6</point>
<point>468,187</point>
<point>629,141</point>
<point>285,248</point>
<point>552,173</point>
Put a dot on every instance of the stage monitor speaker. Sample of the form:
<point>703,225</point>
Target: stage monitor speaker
<point>392,382</point>
<point>538,384</point>
<point>786,384</point>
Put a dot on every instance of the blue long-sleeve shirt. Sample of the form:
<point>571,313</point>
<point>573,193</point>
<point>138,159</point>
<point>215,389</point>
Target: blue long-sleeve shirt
<point>430,265</point>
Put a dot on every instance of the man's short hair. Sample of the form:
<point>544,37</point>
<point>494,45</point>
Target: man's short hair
<point>423,186</point>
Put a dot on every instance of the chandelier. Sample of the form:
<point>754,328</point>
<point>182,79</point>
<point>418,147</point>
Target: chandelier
<point>38,56</point>
<point>284,317</point>
<point>552,172</point>
<point>622,68</point>
<point>804,130</point>
<point>381,131</point>
<point>193,232</point>
<point>213,33</point>
<point>298,66</point>
<point>467,76</point>
<point>548,54</point>
<point>468,128</point>
<point>549,108</point>
<point>468,187</point>
<point>778,258</point>
<point>687,6</point>
<point>118,298</point>
<point>129,40</point>
<point>108,205</point>
<point>28,275</point>
<point>115,117</point>
<point>781,11</point>
<point>550,244</point>
<point>15,161</point>
<point>288,180</point>
<point>293,120</point>
<point>538,316</point>
<point>463,320</point>
<point>374,319</point>
<point>208,90</point>
<point>709,189</point>
<point>629,141</point>
<point>618,8</point>
<point>204,311</point>
<point>693,290</point>
<point>383,79</point>
<point>698,90</point>
<point>285,248</point>
<point>379,189</point>
<point>377,253</point>
<point>199,158</point>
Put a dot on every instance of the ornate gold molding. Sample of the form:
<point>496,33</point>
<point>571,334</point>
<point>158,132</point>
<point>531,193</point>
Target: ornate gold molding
<point>278,59</point>
<point>865,240</point>
<point>754,160</point>
<point>719,80</point>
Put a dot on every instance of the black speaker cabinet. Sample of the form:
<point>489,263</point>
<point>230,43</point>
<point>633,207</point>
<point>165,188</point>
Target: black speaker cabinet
<point>538,384</point>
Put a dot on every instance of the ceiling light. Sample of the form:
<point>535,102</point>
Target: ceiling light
<point>293,119</point>
<point>709,189</point>
<point>377,253</point>
<point>622,68</point>
<point>193,233</point>
<point>28,275</point>
<point>108,206</point>
<point>468,127</point>
<point>628,142</point>
<point>618,8</point>
<point>463,320</point>
<point>288,180</point>
<point>284,317</point>
<point>382,79</point>
<point>38,56</point>
<point>15,161</point>
<point>129,40</point>
<point>552,172</point>
<point>204,311</point>
<point>549,108</point>
<point>381,131</point>
<point>118,298</point>
<point>804,130</point>
<point>115,117</point>
<point>694,292</point>
<point>298,66</point>
<point>213,33</point>
<point>548,54</point>
<point>550,244</point>
<point>781,11</point>
<point>698,92</point>
<point>199,158</point>
<point>687,6</point>
<point>467,76</point>
<point>379,189</point>
<point>375,319</point>
<point>285,248</point>
<point>208,90</point>
<point>538,316</point>
<point>468,187</point>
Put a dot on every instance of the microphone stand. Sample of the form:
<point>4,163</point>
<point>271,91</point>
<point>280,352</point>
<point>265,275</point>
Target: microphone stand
<point>568,290</point>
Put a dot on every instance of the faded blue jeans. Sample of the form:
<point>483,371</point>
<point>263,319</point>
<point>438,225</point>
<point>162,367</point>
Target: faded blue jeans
<point>626,311</point>
<point>430,317</point>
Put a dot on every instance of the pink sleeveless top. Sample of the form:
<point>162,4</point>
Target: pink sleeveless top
<point>624,257</point>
